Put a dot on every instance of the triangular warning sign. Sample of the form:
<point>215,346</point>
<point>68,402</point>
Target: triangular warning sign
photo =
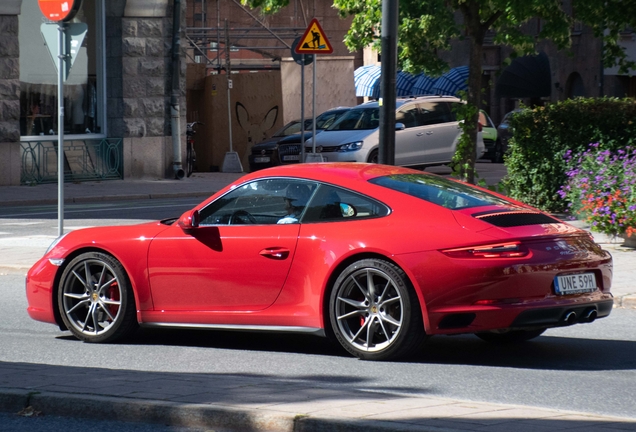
<point>314,40</point>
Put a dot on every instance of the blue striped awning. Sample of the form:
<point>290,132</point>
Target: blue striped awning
<point>423,85</point>
<point>452,82</point>
<point>367,81</point>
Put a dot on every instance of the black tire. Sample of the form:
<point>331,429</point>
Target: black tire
<point>512,336</point>
<point>373,157</point>
<point>190,160</point>
<point>497,156</point>
<point>376,325</point>
<point>96,300</point>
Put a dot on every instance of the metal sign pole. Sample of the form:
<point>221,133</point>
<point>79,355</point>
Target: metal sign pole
<point>313,110</point>
<point>60,128</point>
<point>302,109</point>
<point>229,81</point>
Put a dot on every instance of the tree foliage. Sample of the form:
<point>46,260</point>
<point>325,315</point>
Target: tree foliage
<point>427,27</point>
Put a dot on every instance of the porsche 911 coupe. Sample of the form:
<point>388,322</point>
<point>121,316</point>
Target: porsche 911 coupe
<point>377,257</point>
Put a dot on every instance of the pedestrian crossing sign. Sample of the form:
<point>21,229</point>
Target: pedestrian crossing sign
<point>314,40</point>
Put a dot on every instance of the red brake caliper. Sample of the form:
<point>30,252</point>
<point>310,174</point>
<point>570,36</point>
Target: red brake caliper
<point>113,294</point>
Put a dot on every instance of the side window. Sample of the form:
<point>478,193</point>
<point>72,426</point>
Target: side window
<point>408,115</point>
<point>435,113</point>
<point>263,202</point>
<point>331,203</point>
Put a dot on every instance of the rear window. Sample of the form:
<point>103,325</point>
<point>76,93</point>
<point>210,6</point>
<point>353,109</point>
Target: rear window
<point>439,190</point>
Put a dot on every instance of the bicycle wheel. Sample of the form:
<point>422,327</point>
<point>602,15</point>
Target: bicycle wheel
<point>190,159</point>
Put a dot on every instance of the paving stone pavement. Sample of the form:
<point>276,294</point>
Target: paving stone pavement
<point>233,403</point>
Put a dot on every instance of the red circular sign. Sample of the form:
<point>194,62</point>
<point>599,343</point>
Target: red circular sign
<point>59,10</point>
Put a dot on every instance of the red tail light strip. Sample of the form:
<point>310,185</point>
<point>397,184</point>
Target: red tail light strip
<point>498,250</point>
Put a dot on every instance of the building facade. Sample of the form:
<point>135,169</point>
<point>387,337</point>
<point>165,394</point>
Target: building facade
<point>116,105</point>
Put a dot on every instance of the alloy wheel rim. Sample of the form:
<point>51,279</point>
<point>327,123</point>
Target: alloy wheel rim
<point>92,297</point>
<point>369,310</point>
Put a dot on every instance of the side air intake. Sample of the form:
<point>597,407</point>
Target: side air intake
<point>516,218</point>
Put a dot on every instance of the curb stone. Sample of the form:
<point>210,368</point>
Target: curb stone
<point>218,418</point>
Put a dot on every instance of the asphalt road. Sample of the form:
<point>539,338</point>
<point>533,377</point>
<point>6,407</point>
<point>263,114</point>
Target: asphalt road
<point>589,368</point>
<point>586,368</point>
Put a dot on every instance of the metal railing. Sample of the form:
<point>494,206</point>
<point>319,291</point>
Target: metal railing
<point>84,160</point>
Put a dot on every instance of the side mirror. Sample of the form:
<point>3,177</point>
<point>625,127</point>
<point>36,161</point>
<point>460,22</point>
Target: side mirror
<point>400,126</point>
<point>189,221</point>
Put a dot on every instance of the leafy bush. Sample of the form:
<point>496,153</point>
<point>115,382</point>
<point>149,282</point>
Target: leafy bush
<point>537,165</point>
<point>602,188</point>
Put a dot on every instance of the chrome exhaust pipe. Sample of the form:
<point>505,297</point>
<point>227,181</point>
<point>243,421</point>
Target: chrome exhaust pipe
<point>589,315</point>
<point>570,318</point>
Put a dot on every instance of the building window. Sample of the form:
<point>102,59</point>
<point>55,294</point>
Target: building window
<point>84,87</point>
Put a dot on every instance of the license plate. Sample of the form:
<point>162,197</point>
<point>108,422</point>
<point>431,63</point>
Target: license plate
<point>575,284</point>
<point>291,157</point>
<point>262,159</point>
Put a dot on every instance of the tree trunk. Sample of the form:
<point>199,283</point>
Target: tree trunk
<point>475,32</point>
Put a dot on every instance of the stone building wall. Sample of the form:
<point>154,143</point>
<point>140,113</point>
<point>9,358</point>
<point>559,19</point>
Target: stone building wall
<point>9,101</point>
<point>139,83</point>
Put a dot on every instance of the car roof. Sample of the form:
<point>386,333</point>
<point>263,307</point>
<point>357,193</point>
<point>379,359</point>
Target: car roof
<point>403,100</point>
<point>332,172</point>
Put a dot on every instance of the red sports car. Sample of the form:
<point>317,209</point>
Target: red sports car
<point>379,257</point>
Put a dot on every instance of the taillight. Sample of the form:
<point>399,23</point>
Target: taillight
<point>498,250</point>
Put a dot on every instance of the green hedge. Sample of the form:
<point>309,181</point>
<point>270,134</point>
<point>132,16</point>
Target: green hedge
<point>535,162</point>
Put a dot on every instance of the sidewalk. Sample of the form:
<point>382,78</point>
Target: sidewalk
<point>222,402</point>
<point>252,403</point>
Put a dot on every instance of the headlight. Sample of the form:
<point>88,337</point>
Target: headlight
<point>350,146</point>
<point>55,242</point>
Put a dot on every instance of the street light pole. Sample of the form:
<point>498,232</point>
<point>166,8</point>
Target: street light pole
<point>387,83</point>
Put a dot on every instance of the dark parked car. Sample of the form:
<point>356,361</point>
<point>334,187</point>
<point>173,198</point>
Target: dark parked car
<point>265,154</point>
<point>504,133</point>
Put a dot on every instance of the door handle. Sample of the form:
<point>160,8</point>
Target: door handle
<point>429,132</point>
<point>277,253</point>
<point>419,134</point>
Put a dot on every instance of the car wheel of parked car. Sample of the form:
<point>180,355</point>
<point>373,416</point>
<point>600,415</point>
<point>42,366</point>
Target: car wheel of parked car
<point>373,157</point>
<point>512,336</point>
<point>95,298</point>
<point>374,311</point>
<point>497,156</point>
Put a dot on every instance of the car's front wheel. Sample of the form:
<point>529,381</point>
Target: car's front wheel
<point>374,311</point>
<point>95,298</point>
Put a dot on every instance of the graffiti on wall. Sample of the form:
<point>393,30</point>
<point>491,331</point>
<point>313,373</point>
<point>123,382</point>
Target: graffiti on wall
<point>254,127</point>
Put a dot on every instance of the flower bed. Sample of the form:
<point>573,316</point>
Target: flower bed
<point>601,189</point>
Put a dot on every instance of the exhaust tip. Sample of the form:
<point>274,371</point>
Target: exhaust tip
<point>589,315</point>
<point>570,318</point>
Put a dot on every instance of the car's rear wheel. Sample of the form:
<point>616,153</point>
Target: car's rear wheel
<point>95,298</point>
<point>374,312</point>
<point>512,336</point>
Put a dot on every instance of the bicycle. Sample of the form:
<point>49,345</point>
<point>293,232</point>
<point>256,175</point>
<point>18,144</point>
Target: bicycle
<point>191,156</point>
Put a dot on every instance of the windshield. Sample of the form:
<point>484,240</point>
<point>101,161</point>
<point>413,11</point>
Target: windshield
<point>324,120</point>
<point>358,119</point>
<point>439,190</point>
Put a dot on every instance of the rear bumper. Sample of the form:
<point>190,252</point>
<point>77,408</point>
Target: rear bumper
<point>542,314</point>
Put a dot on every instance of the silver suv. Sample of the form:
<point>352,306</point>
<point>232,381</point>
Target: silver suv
<point>426,133</point>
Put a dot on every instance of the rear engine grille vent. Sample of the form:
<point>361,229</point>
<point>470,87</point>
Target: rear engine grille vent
<point>514,218</point>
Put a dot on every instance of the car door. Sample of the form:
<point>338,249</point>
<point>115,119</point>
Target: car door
<point>440,131</point>
<point>236,260</point>
<point>409,142</point>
